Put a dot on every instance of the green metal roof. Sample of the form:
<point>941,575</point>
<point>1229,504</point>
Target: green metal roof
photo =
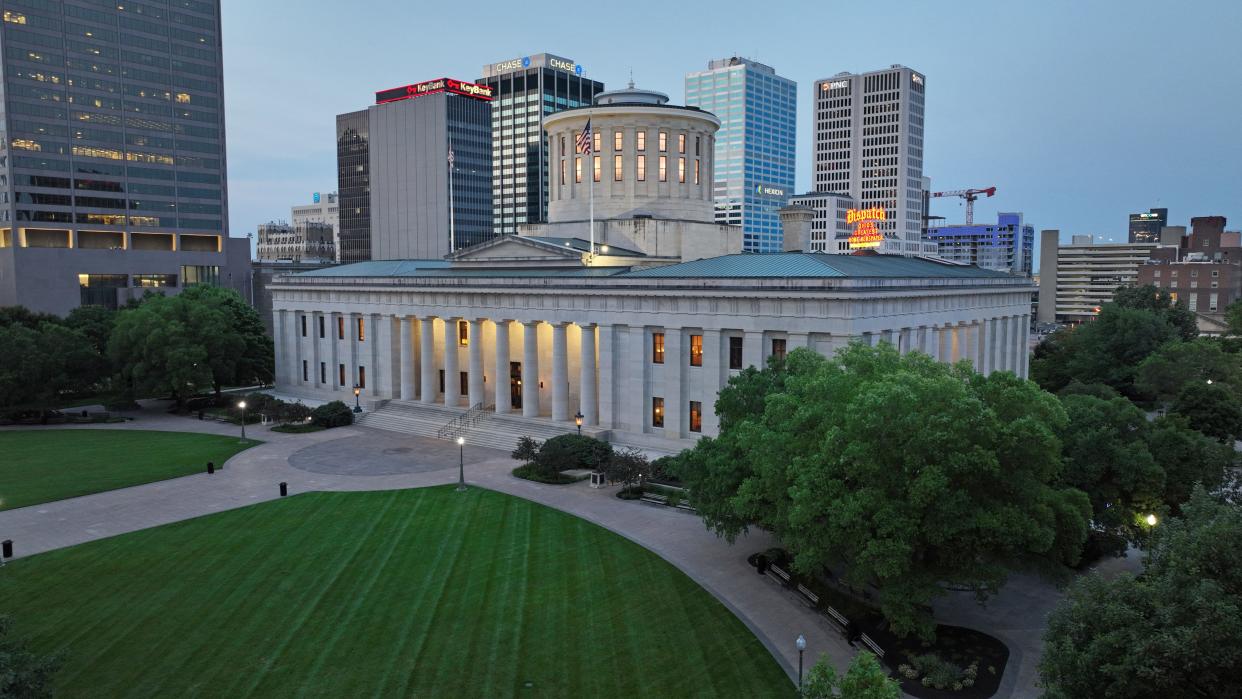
<point>812,265</point>
<point>442,268</point>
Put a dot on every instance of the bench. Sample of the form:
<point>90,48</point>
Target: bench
<point>810,596</point>
<point>779,574</point>
<point>872,646</point>
<point>838,617</point>
<point>654,498</point>
<point>686,506</point>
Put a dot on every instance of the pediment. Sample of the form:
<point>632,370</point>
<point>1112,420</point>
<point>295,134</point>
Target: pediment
<point>515,248</point>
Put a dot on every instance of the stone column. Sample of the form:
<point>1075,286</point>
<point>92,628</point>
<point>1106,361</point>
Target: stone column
<point>407,359</point>
<point>335,370</point>
<point>530,368</point>
<point>971,350</point>
<point>676,359</point>
<point>752,349</point>
<point>452,374</point>
<point>560,372</point>
<point>474,376</point>
<point>586,377</point>
<point>1015,344</point>
<point>1002,351</point>
<point>1024,356</point>
<point>607,364</point>
<point>634,363</point>
<point>502,367</point>
<point>427,362</point>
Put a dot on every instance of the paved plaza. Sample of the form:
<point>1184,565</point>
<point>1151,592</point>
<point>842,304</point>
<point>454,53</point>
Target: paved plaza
<point>356,458</point>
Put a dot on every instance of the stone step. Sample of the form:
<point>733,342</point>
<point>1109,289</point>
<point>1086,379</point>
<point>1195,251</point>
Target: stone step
<point>494,431</point>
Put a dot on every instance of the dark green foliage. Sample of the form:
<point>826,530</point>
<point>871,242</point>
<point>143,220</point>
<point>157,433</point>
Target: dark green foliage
<point>1159,301</point>
<point>298,428</point>
<point>569,451</point>
<point>527,449</point>
<point>24,317</point>
<point>532,472</point>
<point>1188,458</point>
<point>864,679</point>
<point>1210,408</point>
<point>1175,631</point>
<point>45,363</point>
<point>1164,374</point>
<point>1098,390</point>
<point>95,322</point>
<point>23,674</point>
<point>628,466</point>
<point>334,414</point>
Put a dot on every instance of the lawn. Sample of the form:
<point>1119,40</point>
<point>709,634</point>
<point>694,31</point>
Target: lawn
<point>396,593</point>
<point>43,465</point>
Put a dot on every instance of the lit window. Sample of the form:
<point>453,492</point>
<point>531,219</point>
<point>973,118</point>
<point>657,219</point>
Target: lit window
<point>578,170</point>
<point>340,328</point>
<point>681,170</point>
<point>341,375</point>
<point>617,168</point>
<point>657,348</point>
<point>641,137</point>
<point>362,331</point>
<point>696,416</point>
<point>463,333</point>
<point>596,141</point>
<point>696,350</point>
<point>596,165</point>
<point>642,168</point>
<point>696,170</point>
<point>618,141</point>
<point>562,171</point>
<point>681,143</point>
<point>362,377</point>
<point>657,412</point>
<point>663,141</point>
<point>663,168</point>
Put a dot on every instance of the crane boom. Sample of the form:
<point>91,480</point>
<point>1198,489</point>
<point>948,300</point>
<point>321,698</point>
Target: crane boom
<point>970,195</point>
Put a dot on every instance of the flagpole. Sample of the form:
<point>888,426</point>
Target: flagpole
<point>591,207</point>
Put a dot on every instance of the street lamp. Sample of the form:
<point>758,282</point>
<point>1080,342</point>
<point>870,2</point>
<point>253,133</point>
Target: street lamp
<point>461,464</point>
<point>1209,382</point>
<point>578,421</point>
<point>242,405</point>
<point>801,644</point>
<point>1152,520</point>
<point>357,405</point>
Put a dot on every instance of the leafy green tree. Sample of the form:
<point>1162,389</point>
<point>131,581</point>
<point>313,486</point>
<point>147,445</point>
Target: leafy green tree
<point>254,361</point>
<point>1160,301</point>
<point>1211,408</point>
<point>628,466</point>
<point>45,363</point>
<point>1188,457</point>
<point>1233,317</point>
<point>156,349</point>
<point>864,679</point>
<point>96,322</point>
<point>1174,631</point>
<point>909,474</point>
<point>20,315</point>
<point>1176,364</point>
<point>23,673</point>
<point>22,365</point>
<point>1106,350</point>
<point>1049,361</point>
<point>1099,390</point>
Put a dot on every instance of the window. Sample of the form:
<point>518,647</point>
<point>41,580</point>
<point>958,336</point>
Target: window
<point>303,326</point>
<point>463,383</point>
<point>663,141</point>
<point>657,348</point>
<point>562,171</point>
<point>441,381</point>
<point>696,416</point>
<point>642,168</point>
<point>618,141</point>
<point>657,412</point>
<point>778,348</point>
<point>323,372</point>
<point>1212,300</point>
<point>698,145</point>
<point>362,330</point>
<point>362,377</point>
<point>562,150</point>
<point>664,168</point>
<point>304,371</point>
<point>340,329</point>
<point>595,141</point>
<point>617,168</point>
<point>463,333</point>
<point>696,350</point>
<point>1215,273</point>
<point>596,166</point>
<point>341,375</point>
<point>696,170</point>
<point>322,327</point>
<point>735,353</point>
<point>681,143</point>
<point>681,170</point>
<point>1194,302</point>
<point>641,140</point>
<point>578,170</point>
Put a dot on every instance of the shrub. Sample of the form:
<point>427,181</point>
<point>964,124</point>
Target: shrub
<point>632,492</point>
<point>569,451</point>
<point>334,414</point>
<point>527,450</point>
<point>532,472</point>
<point>293,412</point>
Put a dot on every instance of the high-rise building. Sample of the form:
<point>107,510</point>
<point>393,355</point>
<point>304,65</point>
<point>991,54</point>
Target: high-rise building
<point>525,91</point>
<point>1203,270</point>
<point>113,153</point>
<point>1145,228</point>
<point>299,242</point>
<point>830,227</point>
<point>415,172</point>
<point>323,208</point>
<point>756,145</point>
<point>869,144</point>
<point>1006,246</point>
<point>1075,280</point>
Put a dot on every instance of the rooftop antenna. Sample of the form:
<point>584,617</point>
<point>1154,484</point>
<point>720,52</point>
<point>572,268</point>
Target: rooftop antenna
<point>631,77</point>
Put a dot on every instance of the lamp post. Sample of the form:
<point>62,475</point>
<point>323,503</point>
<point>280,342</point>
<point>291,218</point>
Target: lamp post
<point>242,405</point>
<point>801,644</point>
<point>461,464</point>
<point>578,421</point>
<point>1152,520</point>
<point>357,405</point>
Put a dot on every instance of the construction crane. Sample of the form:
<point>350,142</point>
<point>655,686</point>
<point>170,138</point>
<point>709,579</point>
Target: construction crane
<point>970,195</point>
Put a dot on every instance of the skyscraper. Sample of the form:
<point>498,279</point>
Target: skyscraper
<point>755,148</point>
<point>1145,228</point>
<point>869,144</point>
<point>353,182</point>
<point>114,150</point>
<point>526,90</point>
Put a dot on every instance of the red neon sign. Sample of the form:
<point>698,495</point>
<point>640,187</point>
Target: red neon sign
<point>431,87</point>
<point>866,235</point>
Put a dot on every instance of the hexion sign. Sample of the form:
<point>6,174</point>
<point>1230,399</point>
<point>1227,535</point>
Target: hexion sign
<point>430,87</point>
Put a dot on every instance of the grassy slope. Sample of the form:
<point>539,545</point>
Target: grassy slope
<point>44,465</point>
<point>425,592</point>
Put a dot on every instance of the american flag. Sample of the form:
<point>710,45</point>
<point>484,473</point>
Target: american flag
<point>584,139</point>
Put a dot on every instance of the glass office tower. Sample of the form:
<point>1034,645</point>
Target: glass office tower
<point>526,90</point>
<point>353,186</point>
<point>755,147</point>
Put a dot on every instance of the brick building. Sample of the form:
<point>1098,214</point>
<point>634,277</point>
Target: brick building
<point>1204,270</point>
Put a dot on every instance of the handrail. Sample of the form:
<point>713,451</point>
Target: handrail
<point>455,427</point>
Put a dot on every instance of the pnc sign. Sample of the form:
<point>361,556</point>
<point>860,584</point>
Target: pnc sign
<point>865,234</point>
<point>430,87</point>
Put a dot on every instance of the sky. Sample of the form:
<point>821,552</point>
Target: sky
<point>1080,113</point>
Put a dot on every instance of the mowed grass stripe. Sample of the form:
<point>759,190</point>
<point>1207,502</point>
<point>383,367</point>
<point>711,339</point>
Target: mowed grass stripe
<point>407,593</point>
<point>45,465</point>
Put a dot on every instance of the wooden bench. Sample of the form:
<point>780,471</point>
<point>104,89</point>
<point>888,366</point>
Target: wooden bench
<point>810,596</point>
<point>683,505</point>
<point>654,498</point>
<point>872,645</point>
<point>838,617</point>
<point>779,574</point>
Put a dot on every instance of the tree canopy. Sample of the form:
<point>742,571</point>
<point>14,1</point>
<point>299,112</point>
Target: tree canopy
<point>864,679</point>
<point>1164,373</point>
<point>908,474</point>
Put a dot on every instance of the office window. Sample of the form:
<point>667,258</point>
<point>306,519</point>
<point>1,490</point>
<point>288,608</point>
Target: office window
<point>341,375</point>
<point>641,140</point>
<point>362,330</point>
<point>305,376</point>
<point>303,326</point>
<point>463,333</point>
<point>696,350</point>
<point>778,348</point>
<point>681,170</point>
<point>362,377</point>
<point>663,168</point>
<point>663,141</point>
<point>596,139</point>
<point>735,353</point>
<point>657,348</point>
<point>681,143</point>
<point>617,168</point>
<point>596,166</point>
<point>696,416</point>
<point>642,168</point>
<point>578,170</point>
<point>618,141</point>
<point>323,372</point>
<point>657,412</point>
<point>340,327</point>
<point>1215,273</point>
<point>322,327</point>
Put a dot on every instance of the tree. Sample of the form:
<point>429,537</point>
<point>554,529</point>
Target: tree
<point>527,449</point>
<point>44,363</point>
<point>22,672</point>
<point>20,315</point>
<point>1105,350</point>
<point>628,466</point>
<point>1175,364</point>
<point>22,365</point>
<point>96,322</point>
<point>1174,631</point>
<point>909,474</point>
<point>1160,301</point>
<point>256,360</point>
<point>864,679</point>
<point>1188,457</point>
<point>1210,408</point>
<point>1233,317</point>
<point>156,349</point>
